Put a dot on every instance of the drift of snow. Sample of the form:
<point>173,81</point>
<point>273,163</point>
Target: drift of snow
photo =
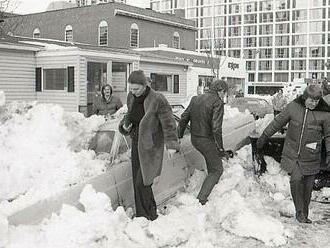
<point>242,210</point>
<point>43,150</point>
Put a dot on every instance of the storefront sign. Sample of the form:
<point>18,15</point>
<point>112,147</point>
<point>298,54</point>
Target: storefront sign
<point>198,61</point>
<point>233,66</point>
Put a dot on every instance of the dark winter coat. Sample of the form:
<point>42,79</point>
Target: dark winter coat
<point>304,135</point>
<point>205,113</point>
<point>103,107</point>
<point>156,128</point>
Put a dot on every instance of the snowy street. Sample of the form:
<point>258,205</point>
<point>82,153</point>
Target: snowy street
<point>242,210</point>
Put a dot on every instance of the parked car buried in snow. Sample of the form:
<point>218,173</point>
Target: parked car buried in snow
<point>258,107</point>
<point>116,182</point>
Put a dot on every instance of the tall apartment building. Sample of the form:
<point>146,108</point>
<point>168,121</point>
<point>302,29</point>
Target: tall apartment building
<point>281,40</point>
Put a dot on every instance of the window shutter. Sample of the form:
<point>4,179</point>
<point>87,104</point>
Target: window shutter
<point>153,80</point>
<point>70,79</point>
<point>38,79</point>
<point>176,84</point>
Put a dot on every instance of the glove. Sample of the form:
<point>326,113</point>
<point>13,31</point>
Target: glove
<point>225,154</point>
<point>261,142</point>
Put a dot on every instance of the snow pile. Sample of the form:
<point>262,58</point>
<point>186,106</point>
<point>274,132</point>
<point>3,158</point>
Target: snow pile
<point>235,212</point>
<point>43,150</point>
<point>234,112</point>
<point>242,209</point>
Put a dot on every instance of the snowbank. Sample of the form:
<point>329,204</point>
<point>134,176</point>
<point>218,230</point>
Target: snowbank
<point>43,150</point>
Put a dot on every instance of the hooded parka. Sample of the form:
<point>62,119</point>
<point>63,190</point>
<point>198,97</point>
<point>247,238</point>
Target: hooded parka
<point>305,132</point>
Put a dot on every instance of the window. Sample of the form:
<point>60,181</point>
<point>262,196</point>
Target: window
<point>176,40</point>
<point>134,35</point>
<point>281,52</point>
<point>299,27</point>
<point>234,31</point>
<point>103,33</point>
<point>281,65</point>
<point>68,33</point>
<point>165,82</point>
<point>251,77</point>
<point>58,79</point>
<point>299,52</point>
<point>265,53</point>
<point>250,65</point>
<point>299,15</point>
<point>265,65</point>
<point>36,33</point>
<point>298,65</point>
<point>317,51</point>
<point>266,17</point>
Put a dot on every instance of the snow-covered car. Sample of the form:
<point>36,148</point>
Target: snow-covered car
<point>116,182</point>
<point>258,107</point>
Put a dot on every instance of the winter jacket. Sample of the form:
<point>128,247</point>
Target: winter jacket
<point>279,102</point>
<point>156,128</point>
<point>103,107</point>
<point>205,113</point>
<point>304,135</point>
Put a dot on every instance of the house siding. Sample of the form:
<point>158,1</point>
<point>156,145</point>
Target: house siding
<point>68,100</point>
<point>17,75</point>
<point>173,98</point>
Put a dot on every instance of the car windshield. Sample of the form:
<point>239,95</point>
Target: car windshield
<point>102,141</point>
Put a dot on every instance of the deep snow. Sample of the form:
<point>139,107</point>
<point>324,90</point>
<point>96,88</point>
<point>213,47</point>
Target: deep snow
<point>43,150</point>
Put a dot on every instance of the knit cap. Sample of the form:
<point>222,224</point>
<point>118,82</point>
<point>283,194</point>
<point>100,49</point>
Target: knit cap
<point>137,77</point>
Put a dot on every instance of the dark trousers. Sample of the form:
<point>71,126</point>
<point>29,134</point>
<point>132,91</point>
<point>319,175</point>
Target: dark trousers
<point>145,204</point>
<point>301,190</point>
<point>208,149</point>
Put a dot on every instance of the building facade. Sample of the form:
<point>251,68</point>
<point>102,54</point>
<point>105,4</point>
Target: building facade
<point>281,40</point>
<point>111,24</point>
<point>81,3</point>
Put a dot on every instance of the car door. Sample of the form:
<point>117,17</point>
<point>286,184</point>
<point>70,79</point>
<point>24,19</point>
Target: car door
<point>121,169</point>
<point>174,176</point>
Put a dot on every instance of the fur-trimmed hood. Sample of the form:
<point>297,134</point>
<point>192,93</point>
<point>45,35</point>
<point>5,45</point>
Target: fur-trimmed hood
<point>321,106</point>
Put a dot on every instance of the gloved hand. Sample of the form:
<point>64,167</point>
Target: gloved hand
<point>225,154</point>
<point>261,142</point>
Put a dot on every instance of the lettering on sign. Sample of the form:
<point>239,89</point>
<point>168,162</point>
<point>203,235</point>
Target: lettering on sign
<point>194,60</point>
<point>233,66</point>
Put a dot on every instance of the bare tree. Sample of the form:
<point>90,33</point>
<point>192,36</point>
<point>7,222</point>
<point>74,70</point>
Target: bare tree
<point>7,8</point>
<point>214,49</point>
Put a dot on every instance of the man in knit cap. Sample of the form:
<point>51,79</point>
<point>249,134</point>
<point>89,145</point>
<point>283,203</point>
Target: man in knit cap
<point>205,114</point>
<point>151,124</point>
<point>308,117</point>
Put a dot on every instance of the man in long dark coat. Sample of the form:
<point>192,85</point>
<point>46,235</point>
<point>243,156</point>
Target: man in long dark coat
<point>150,123</point>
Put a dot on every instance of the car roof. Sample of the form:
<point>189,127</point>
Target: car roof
<point>238,99</point>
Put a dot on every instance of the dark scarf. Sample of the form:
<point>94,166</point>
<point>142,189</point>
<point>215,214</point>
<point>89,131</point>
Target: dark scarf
<point>137,111</point>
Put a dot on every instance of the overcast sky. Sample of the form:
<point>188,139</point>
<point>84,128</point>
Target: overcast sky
<point>32,6</point>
